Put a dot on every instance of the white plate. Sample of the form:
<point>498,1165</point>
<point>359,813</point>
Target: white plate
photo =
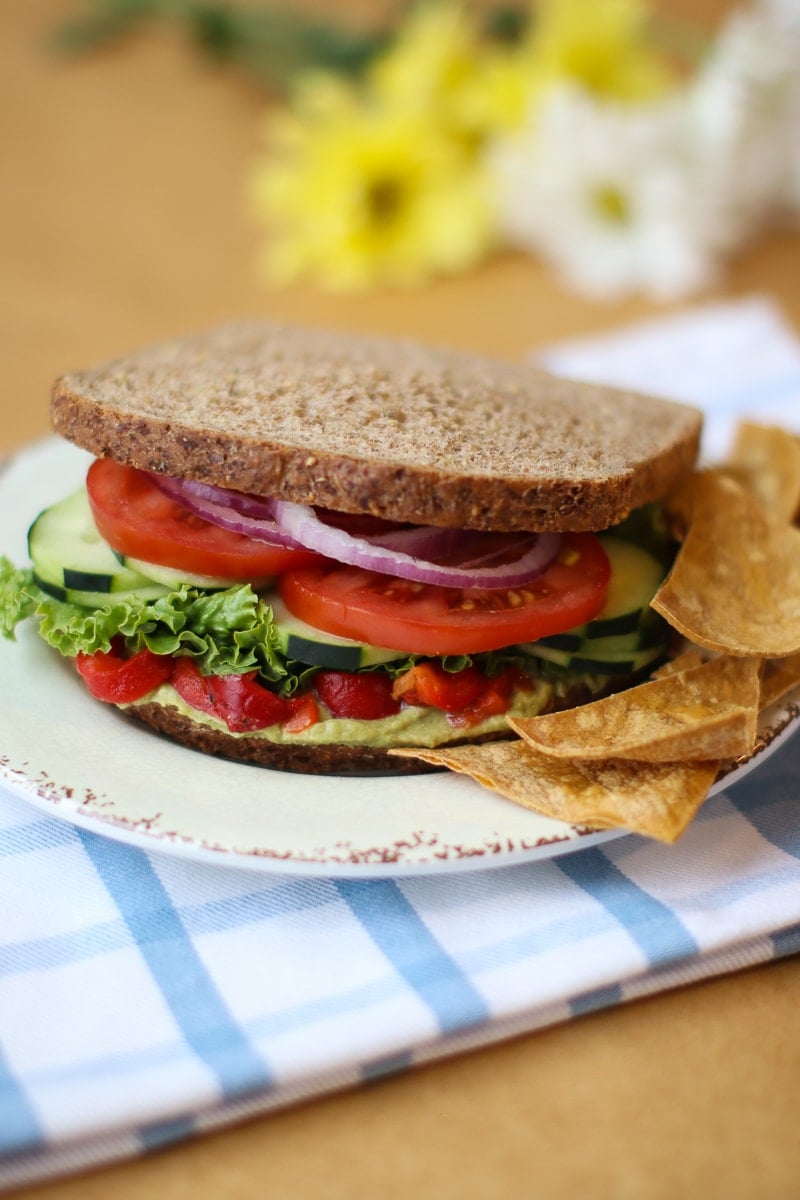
<point>83,761</point>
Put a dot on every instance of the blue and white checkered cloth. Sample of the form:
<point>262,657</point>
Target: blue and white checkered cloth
<point>145,998</point>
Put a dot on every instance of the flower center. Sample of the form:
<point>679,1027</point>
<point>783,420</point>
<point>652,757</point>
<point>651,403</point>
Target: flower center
<point>384,199</point>
<point>612,204</point>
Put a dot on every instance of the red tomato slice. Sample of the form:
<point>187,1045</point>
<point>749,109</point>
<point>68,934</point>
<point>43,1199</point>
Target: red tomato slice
<point>424,619</point>
<point>136,519</point>
<point>119,680</point>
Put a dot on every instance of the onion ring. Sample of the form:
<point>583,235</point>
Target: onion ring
<point>404,553</point>
<point>535,553</point>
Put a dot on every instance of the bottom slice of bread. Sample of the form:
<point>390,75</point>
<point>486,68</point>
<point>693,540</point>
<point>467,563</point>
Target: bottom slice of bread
<point>307,758</point>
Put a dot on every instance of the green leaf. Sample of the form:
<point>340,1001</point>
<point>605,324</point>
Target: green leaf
<point>18,596</point>
<point>270,44</point>
<point>229,631</point>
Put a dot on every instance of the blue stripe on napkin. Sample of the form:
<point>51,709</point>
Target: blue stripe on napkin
<point>19,1128</point>
<point>166,1133</point>
<point>62,948</point>
<point>398,930</point>
<point>36,835</point>
<point>176,966</point>
<point>786,941</point>
<point>657,931</point>
<point>772,810</point>
<point>596,1001</point>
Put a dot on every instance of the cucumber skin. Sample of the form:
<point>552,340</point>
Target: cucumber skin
<point>624,642</point>
<point>89,599</point>
<point>72,562</point>
<point>303,643</point>
<point>319,654</point>
<point>171,578</point>
<point>582,664</point>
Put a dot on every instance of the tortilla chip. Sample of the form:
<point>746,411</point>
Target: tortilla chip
<point>658,801</point>
<point>684,661</point>
<point>708,712</point>
<point>779,676</point>
<point>735,585</point>
<point>766,461</point>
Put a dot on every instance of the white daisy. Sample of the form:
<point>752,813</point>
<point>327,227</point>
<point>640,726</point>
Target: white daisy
<point>743,105</point>
<point>785,15</point>
<point>607,194</point>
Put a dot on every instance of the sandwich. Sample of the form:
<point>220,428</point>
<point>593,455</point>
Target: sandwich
<point>303,549</point>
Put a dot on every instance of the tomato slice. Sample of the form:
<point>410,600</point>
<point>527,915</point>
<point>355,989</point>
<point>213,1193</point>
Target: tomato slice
<point>137,519</point>
<point>118,680</point>
<point>425,619</point>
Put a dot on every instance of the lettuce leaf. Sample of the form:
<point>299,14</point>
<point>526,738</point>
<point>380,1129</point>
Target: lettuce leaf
<point>18,596</point>
<point>231,631</point>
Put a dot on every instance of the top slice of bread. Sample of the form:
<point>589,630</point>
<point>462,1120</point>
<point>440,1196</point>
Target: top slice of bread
<point>367,424</point>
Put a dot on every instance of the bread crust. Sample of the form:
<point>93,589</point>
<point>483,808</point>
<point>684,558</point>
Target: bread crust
<point>308,758</point>
<point>364,424</point>
<point>313,758</point>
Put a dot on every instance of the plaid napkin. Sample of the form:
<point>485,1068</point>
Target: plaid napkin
<point>145,998</point>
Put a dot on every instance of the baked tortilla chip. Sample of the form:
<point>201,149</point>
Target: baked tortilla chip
<point>684,661</point>
<point>766,461</point>
<point>656,800</point>
<point>707,712</point>
<point>779,676</point>
<point>735,584</point>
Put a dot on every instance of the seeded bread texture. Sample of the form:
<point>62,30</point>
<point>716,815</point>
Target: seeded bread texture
<point>368,424</point>
<point>308,759</point>
<point>313,758</point>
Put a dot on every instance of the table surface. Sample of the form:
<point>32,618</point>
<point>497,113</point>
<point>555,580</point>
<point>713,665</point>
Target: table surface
<point>122,219</point>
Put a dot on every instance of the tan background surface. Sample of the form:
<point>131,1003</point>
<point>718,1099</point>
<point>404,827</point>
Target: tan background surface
<point>121,220</point>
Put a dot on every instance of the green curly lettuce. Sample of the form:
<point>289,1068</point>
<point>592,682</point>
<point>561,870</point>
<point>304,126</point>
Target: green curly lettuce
<point>18,596</point>
<point>225,632</point>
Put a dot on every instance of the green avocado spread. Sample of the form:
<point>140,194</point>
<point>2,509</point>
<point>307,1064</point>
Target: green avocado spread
<point>412,726</point>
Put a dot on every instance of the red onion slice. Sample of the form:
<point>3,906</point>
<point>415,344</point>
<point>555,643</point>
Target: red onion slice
<point>535,553</point>
<point>405,553</point>
<point>204,501</point>
<point>240,502</point>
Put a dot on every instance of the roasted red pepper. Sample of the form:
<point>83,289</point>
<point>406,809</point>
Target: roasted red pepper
<point>362,697</point>
<point>240,701</point>
<point>112,677</point>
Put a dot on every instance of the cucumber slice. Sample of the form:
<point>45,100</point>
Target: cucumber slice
<point>89,599</point>
<point>72,562</point>
<point>609,664</point>
<point>635,579</point>
<point>306,644</point>
<point>584,663</point>
<point>173,578</point>
<point>627,635</point>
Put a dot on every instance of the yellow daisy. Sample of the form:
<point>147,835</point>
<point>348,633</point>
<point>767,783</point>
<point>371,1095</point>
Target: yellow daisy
<point>441,65</point>
<point>356,193</point>
<point>602,45</point>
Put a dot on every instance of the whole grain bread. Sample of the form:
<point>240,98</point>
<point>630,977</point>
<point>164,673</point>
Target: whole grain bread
<point>368,424</point>
<point>314,758</point>
<point>309,758</point>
